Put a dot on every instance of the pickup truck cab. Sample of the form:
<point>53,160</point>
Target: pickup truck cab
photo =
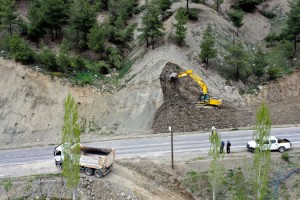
<point>272,143</point>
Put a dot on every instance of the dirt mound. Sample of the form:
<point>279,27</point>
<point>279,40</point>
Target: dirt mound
<point>179,111</point>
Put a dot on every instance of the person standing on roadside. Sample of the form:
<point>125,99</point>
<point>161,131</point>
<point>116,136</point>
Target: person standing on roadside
<point>228,145</point>
<point>222,146</point>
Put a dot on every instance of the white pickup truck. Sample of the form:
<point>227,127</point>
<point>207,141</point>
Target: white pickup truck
<point>271,143</point>
<point>97,161</point>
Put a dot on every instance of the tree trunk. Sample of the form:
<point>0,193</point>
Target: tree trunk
<point>295,44</point>
<point>206,63</point>
<point>237,74</point>
<point>217,5</point>
<point>52,38</point>
<point>10,29</point>
<point>56,35</point>
<point>74,194</point>
<point>187,6</point>
<point>237,32</point>
<point>77,37</point>
<point>147,41</point>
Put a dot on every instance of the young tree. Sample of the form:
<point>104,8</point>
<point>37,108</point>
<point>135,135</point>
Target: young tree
<point>56,14</point>
<point>152,26</point>
<point>208,50</point>
<point>216,170</point>
<point>8,14</point>
<point>7,184</point>
<point>259,63</point>
<point>293,21</point>
<point>218,3</point>
<point>96,38</point>
<point>82,19</point>
<point>36,29</point>
<point>180,26</point>
<point>262,159</point>
<point>164,5</point>
<point>71,144</point>
<point>236,17</point>
<point>236,61</point>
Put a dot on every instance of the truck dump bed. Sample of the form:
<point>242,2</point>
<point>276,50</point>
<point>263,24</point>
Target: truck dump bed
<point>97,158</point>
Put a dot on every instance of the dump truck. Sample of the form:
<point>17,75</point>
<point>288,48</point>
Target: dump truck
<point>93,161</point>
<point>272,143</point>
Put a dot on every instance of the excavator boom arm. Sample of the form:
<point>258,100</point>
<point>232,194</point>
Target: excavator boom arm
<point>196,78</point>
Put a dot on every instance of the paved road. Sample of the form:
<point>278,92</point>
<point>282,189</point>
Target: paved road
<point>151,146</point>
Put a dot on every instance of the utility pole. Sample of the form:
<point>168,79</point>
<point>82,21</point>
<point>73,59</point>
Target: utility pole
<point>172,154</point>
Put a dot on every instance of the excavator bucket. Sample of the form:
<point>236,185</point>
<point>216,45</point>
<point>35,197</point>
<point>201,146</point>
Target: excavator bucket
<point>173,76</point>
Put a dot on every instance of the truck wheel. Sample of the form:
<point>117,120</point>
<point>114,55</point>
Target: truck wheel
<point>89,171</point>
<point>98,173</point>
<point>281,149</point>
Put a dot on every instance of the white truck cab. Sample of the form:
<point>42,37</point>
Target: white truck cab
<point>272,143</point>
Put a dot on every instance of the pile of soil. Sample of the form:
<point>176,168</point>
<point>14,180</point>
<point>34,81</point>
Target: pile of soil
<point>179,110</point>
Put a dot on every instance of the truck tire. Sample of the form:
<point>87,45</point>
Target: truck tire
<point>98,173</point>
<point>281,149</point>
<point>88,171</point>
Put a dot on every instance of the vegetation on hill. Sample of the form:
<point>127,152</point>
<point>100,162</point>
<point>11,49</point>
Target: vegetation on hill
<point>90,48</point>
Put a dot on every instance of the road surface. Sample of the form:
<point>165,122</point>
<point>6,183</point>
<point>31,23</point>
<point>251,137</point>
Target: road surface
<point>30,158</point>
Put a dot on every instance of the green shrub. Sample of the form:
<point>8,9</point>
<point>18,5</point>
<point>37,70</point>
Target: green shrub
<point>193,14</point>
<point>274,72</point>
<point>268,14</point>
<point>197,1</point>
<point>77,63</point>
<point>83,78</point>
<point>48,59</point>
<point>285,156</point>
<point>21,52</point>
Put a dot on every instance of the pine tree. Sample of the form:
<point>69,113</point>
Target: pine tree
<point>82,19</point>
<point>293,21</point>
<point>208,50</point>
<point>259,63</point>
<point>36,29</point>
<point>180,26</point>
<point>218,3</point>
<point>236,61</point>
<point>236,17</point>
<point>262,159</point>
<point>8,14</point>
<point>152,26</point>
<point>71,144</point>
<point>96,38</point>
<point>56,14</point>
<point>216,169</point>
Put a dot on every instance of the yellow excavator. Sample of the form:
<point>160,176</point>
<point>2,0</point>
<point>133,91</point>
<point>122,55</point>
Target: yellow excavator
<point>204,98</point>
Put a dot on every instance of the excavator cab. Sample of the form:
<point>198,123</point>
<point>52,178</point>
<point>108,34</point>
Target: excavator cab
<point>205,98</point>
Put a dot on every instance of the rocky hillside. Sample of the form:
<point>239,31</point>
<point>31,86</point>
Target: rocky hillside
<point>31,104</point>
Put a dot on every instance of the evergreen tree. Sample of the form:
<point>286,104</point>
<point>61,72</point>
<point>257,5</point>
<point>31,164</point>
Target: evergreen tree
<point>152,26</point>
<point>8,14</point>
<point>216,169</point>
<point>236,61</point>
<point>115,58</point>
<point>180,26</point>
<point>293,21</point>
<point>208,50</point>
<point>187,6</point>
<point>96,38</point>
<point>262,159</point>
<point>164,5</point>
<point>36,29</point>
<point>63,59</point>
<point>218,3</point>
<point>259,63</point>
<point>56,14</point>
<point>236,17</point>
<point>82,19</point>
<point>71,144</point>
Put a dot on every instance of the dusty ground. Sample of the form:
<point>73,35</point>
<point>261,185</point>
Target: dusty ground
<point>152,178</point>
